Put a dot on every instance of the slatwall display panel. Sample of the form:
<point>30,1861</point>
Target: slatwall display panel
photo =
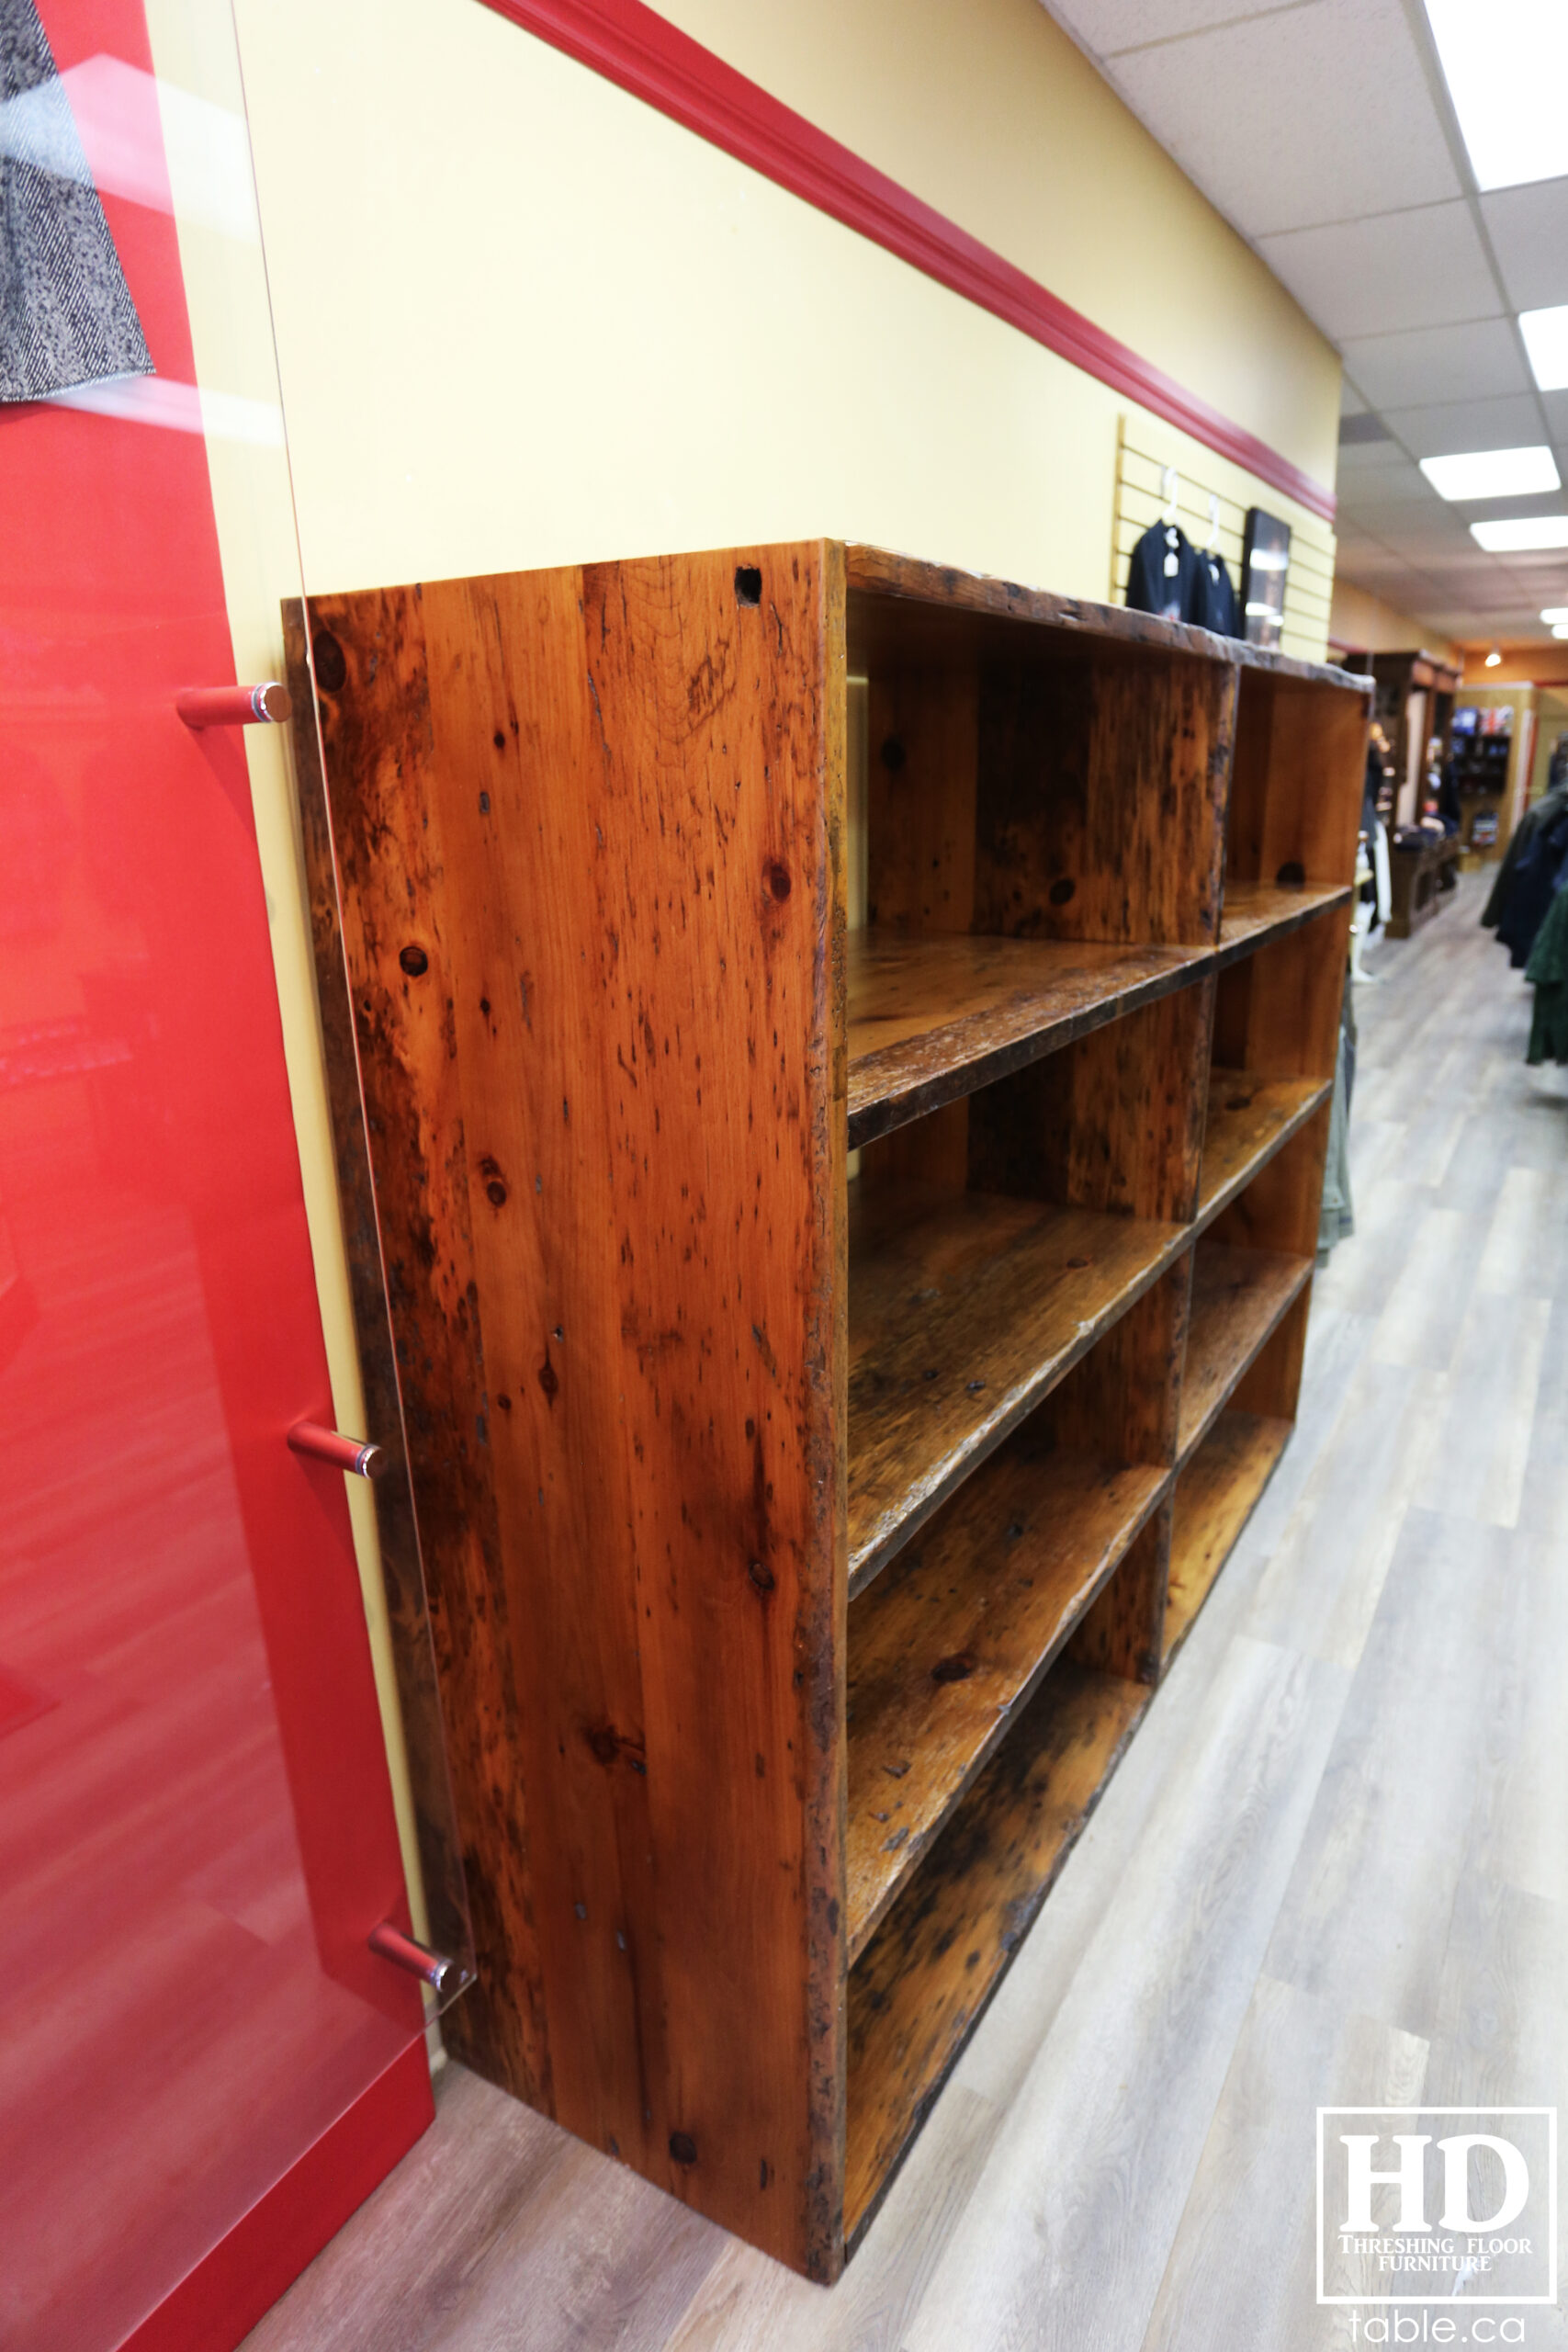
<point>1143,452</point>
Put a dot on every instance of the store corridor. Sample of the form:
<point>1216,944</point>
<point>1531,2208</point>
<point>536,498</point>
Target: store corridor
<point>1332,1870</point>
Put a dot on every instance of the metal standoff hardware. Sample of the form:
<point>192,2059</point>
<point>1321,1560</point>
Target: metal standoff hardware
<point>432,1968</point>
<point>358,1455</point>
<point>267,704</point>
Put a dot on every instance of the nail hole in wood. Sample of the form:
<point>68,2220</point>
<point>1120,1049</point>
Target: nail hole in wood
<point>748,584</point>
<point>893,755</point>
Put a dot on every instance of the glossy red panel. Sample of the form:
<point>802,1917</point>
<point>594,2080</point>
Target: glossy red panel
<point>195,1826</point>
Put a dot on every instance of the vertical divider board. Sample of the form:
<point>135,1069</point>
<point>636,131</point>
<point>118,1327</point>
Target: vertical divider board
<point>801,1551</point>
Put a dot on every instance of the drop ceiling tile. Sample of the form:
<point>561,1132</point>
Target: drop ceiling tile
<point>1528,228</point>
<point>1368,460</point>
<point>1481,361</point>
<point>1419,268</point>
<point>1271,116</point>
<point>1512,423</point>
<point>1105,26</point>
<point>1350,401</point>
<point>1556,407</point>
<point>1400,483</point>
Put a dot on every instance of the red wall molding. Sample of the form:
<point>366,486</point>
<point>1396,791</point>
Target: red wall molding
<point>642,52</point>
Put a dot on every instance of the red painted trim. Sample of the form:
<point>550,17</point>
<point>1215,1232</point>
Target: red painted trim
<point>633,46</point>
<point>221,2299</point>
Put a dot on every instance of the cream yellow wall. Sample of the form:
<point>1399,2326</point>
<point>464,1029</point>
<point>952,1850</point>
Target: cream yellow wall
<point>988,111</point>
<point>524,319</point>
<point>1364,621</point>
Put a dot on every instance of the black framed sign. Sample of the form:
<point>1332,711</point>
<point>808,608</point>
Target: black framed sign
<point>1264,561</point>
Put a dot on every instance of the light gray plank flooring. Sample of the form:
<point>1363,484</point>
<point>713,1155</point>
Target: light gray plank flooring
<point>1333,1868</point>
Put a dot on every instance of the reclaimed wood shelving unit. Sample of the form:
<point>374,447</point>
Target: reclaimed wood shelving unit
<point>834,1363</point>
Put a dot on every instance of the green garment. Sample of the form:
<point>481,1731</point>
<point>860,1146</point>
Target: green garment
<point>1548,968</point>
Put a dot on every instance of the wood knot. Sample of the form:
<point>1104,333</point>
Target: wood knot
<point>777,878</point>
<point>748,584</point>
<point>547,1380</point>
<point>682,2147</point>
<point>331,670</point>
<point>957,1669</point>
<point>761,1575</point>
<point>893,755</point>
<point>1060,892</point>
<point>416,961</point>
<point>495,1192</point>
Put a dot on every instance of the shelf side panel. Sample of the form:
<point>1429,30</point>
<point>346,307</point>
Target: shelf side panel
<point>589,826</point>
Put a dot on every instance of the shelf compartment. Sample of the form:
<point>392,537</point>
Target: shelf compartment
<point>935,1017</point>
<point>962,1318</point>
<point>1257,914</point>
<point>924,1981</point>
<point>1239,1297</point>
<point>1215,1495</point>
<point>949,1643</point>
<point>1249,1119</point>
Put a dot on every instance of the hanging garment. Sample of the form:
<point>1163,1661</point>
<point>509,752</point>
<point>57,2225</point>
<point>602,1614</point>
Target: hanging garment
<point>1214,597</point>
<point>1544,811</point>
<point>1536,875</point>
<point>66,315</point>
<point>1547,971</point>
<point>1160,573</point>
<point>1336,1219</point>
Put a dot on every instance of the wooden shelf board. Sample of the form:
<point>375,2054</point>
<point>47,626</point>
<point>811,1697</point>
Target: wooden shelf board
<point>1215,1495</point>
<point>961,1318</point>
<point>935,1017</point>
<point>953,1638</point>
<point>924,1981</point>
<point>1249,1120</point>
<point>1255,912</point>
<point>1238,1298</point>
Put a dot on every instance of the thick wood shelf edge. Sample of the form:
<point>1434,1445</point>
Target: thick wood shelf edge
<point>1215,1495</point>
<point>1254,914</point>
<point>991,1253</point>
<point>1267,1285</point>
<point>972,1625</point>
<point>1003,1850</point>
<point>965,1010</point>
<point>1277,1109</point>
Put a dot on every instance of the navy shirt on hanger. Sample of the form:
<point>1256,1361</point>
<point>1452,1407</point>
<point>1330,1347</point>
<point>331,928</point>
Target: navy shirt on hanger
<point>1214,597</point>
<point>1161,573</point>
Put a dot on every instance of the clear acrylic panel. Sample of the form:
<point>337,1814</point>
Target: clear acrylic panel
<point>199,1831</point>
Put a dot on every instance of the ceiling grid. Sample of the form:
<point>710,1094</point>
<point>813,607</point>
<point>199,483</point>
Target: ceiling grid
<point>1324,132</point>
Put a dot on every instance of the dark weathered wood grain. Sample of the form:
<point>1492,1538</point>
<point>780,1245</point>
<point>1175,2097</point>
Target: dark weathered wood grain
<point>938,1016</point>
<point>594,829</point>
<point>1276,1009</point>
<point>1238,1297</point>
<point>419,1697</point>
<point>1250,1118</point>
<point>922,1983</point>
<point>1300,769</point>
<point>1255,912</point>
<point>1217,1493</point>
<point>959,1323</point>
<point>952,1638</point>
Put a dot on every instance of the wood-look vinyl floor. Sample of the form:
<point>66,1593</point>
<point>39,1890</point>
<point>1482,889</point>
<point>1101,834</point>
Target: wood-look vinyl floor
<point>1333,1868</point>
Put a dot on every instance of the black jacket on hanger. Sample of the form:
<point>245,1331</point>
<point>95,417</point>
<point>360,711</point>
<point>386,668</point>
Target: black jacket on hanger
<point>1161,573</point>
<point>1214,597</point>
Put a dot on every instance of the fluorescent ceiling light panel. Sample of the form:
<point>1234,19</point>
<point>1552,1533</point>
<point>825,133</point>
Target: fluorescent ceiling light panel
<point>1545,340</point>
<point>1556,613</point>
<point>1520,533</point>
<point>1493,473</point>
<point>1561,629</point>
<point>1506,65</point>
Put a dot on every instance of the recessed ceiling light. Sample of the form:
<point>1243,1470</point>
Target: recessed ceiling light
<point>1493,473</point>
<point>1494,658</point>
<point>1521,532</point>
<point>1545,340</point>
<point>1504,65</point>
